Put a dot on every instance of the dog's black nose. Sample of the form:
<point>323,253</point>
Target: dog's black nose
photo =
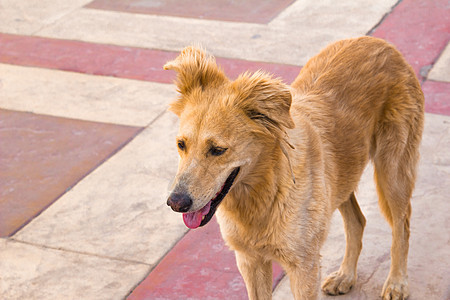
<point>179,202</point>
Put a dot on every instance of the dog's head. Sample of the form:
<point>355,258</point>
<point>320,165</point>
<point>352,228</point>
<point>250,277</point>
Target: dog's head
<point>224,127</point>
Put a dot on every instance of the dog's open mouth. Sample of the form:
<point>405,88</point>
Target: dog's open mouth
<point>203,216</point>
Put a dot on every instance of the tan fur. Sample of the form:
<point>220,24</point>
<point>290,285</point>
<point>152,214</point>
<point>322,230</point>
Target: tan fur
<point>357,100</point>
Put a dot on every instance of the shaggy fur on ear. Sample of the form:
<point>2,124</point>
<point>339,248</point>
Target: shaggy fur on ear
<point>195,69</point>
<point>264,99</point>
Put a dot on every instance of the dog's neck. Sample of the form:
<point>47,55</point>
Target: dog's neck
<point>260,190</point>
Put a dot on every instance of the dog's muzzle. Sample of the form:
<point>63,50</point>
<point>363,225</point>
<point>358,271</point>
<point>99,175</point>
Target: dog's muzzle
<point>182,202</point>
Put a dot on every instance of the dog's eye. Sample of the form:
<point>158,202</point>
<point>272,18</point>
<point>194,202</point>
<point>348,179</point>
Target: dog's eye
<point>181,145</point>
<point>216,151</point>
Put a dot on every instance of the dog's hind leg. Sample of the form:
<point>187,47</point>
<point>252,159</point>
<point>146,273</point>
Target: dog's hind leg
<point>396,207</point>
<point>395,161</point>
<point>257,274</point>
<point>341,281</point>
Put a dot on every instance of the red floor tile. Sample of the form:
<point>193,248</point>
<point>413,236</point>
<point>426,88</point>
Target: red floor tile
<point>82,57</point>
<point>234,67</point>
<point>109,60</point>
<point>420,29</point>
<point>41,157</point>
<point>437,97</point>
<point>252,11</point>
<point>200,266</point>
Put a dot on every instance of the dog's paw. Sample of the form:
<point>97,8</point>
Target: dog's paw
<point>338,283</point>
<point>395,289</point>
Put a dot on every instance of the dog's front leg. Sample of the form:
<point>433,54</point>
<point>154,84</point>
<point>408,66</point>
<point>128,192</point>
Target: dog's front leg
<point>304,278</point>
<point>257,274</point>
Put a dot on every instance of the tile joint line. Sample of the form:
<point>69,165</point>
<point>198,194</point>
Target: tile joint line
<point>77,252</point>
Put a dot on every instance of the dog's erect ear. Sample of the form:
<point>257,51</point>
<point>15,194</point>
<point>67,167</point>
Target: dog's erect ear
<point>267,101</point>
<point>196,69</point>
<point>264,99</point>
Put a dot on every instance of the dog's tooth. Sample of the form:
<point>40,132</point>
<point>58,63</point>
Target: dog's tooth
<point>203,218</point>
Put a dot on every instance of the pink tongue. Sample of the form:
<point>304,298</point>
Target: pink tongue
<point>193,219</point>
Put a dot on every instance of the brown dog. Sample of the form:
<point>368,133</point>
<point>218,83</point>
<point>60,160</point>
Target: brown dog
<point>277,161</point>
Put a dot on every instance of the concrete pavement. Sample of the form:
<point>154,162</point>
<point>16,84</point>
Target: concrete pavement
<point>87,147</point>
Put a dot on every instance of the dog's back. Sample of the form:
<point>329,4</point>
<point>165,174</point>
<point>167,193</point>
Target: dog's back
<point>365,102</point>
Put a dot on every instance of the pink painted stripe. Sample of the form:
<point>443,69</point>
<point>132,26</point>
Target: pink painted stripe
<point>200,266</point>
<point>234,67</point>
<point>437,97</point>
<point>82,57</point>
<point>420,29</point>
<point>111,60</point>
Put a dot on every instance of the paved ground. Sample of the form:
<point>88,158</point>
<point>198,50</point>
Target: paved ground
<point>87,148</point>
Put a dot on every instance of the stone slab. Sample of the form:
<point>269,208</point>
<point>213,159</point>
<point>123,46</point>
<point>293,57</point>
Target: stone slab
<point>112,60</point>
<point>81,96</point>
<point>297,34</point>
<point>420,29</point>
<point>251,11</point>
<point>41,157</point>
<point>119,210</point>
<point>200,266</point>
<point>34,272</point>
<point>437,97</point>
<point>428,258</point>
<point>441,69</point>
<point>28,16</point>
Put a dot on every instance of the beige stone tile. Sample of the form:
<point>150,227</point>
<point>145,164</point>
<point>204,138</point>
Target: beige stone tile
<point>28,16</point>
<point>429,246</point>
<point>310,25</point>
<point>33,272</point>
<point>441,69</point>
<point>302,28</point>
<point>120,209</point>
<point>283,290</point>
<point>81,96</point>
